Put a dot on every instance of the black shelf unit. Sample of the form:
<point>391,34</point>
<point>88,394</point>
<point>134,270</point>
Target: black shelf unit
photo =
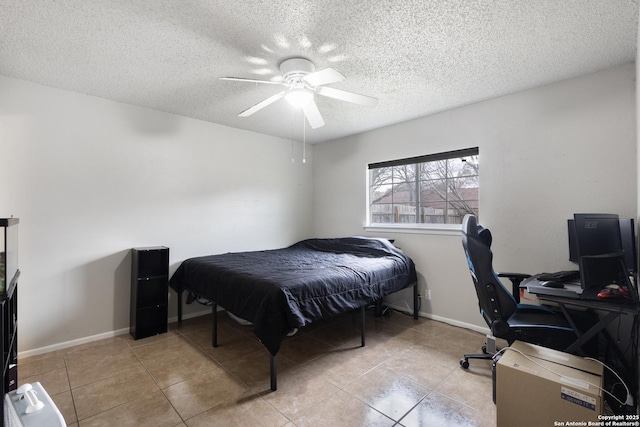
<point>9,327</point>
<point>9,274</point>
<point>149,291</point>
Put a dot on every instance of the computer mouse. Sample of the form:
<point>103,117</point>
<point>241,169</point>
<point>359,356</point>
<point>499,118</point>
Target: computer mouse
<point>617,288</point>
<point>608,293</point>
<point>552,284</point>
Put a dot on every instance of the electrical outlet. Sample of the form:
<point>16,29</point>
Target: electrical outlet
<point>427,294</point>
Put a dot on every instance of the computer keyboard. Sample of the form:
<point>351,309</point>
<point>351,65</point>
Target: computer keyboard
<point>560,276</point>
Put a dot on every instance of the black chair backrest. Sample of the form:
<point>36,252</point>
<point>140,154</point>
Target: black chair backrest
<point>496,302</point>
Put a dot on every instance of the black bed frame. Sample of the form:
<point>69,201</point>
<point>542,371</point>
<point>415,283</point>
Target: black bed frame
<point>272,361</point>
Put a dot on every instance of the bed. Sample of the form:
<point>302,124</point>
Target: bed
<point>281,290</point>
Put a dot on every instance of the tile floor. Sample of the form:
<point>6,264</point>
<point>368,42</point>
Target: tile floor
<point>408,374</point>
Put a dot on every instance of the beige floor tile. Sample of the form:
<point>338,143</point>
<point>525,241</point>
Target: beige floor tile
<point>203,392</point>
<point>390,336</point>
<point>404,329</point>
<point>54,382</point>
<point>471,387</point>
<point>438,410</point>
<point>407,321</point>
<point>86,353</point>
<point>254,369</point>
<point>150,410</point>
<point>64,403</point>
<point>336,334</point>
<point>231,343</point>
<point>342,410</point>
<point>343,365</point>
<point>167,371</point>
<point>96,369</point>
<point>246,410</point>
<point>36,365</point>
<point>324,376</point>
<point>375,351</point>
<point>303,348</point>
<point>299,390</point>
<point>387,392</point>
<point>103,395</point>
<point>442,349</point>
<point>420,367</point>
<point>169,348</point>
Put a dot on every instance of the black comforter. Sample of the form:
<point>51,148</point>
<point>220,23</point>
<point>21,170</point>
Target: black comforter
<point>282,289</point>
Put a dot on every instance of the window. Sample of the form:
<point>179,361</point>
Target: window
<point>433,189</point>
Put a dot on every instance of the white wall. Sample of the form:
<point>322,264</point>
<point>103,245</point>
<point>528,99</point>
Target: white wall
<point>90,179</point>
<point>544,154</point>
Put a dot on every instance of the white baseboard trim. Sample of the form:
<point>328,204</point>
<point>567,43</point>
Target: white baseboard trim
<point>452,322</point>
<point>79,341</point>
<point>72,343</point>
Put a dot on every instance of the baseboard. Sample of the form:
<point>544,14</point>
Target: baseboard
<point>79,341</point>
<point>72,343</point>
<point>452,322</point>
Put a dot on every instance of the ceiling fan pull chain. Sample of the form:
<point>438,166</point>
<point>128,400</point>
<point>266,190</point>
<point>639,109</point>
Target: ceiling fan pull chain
<point>304,139</point>
<point>293,160</point>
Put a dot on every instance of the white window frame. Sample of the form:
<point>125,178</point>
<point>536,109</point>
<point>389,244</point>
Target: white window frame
<point>430,228</point>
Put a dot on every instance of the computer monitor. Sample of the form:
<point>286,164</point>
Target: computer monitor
<point>597,234</point>
<point>599,248</point>
<point>627,237</point>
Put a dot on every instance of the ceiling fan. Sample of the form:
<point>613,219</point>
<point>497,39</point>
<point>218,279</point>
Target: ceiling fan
<point>302,83</point>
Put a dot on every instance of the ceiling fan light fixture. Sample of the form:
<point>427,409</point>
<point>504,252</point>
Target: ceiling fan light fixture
<point>299,97</point>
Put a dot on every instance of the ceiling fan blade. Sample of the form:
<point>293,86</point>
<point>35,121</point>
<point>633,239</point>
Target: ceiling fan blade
<point>238,79</point>
<point>347,96</point>
<point>324,77</point>
<point>313,115</point>
<point>260,105</point>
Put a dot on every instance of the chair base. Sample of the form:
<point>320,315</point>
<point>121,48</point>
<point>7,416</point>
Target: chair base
<point>489,350</point>
<point>464,362</point>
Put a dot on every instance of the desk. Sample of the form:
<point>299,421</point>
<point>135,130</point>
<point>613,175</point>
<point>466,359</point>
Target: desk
<point>613,309</point>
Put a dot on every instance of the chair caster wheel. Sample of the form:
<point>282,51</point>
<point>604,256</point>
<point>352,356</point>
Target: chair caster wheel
<point>464,363</point>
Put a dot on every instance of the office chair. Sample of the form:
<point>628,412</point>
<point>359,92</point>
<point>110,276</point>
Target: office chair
<point>507,318</point>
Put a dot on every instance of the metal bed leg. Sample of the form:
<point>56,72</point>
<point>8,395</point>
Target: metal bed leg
<point>415,301</point>
<point>362,315</point>
<point>214,324</point>
<point>274,385</point>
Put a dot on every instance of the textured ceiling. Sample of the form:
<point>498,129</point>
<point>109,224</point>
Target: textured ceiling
<point>416,56</point>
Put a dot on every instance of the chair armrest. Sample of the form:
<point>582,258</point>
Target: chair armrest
<point>516,279</point>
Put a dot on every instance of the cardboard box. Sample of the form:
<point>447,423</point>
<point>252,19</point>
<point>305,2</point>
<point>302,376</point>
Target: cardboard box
<point>539,387</point>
